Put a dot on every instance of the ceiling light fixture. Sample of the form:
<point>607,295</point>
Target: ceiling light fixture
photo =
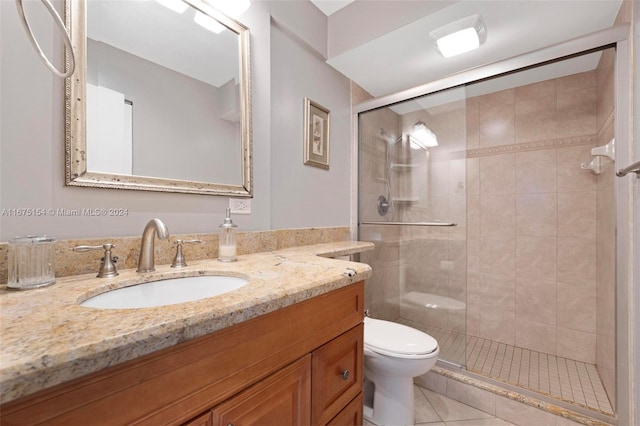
<point>422,137</point>
<point>459,37</point>
<point>176,5</point>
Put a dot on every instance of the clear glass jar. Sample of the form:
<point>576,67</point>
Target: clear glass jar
<point>31,262</point>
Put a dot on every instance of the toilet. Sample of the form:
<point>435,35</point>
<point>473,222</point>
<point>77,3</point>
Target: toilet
<point>393,355</point>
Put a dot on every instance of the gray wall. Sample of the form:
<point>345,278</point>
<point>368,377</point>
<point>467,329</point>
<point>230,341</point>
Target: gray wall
<point>32,146</point>
<point>304,195</point>
<point>177,129</point>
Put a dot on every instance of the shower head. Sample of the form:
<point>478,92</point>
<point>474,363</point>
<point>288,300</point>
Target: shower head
<point>389,138</point>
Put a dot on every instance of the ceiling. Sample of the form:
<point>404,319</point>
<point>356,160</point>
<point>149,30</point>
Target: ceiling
<point>384,45</point>
<point>198,53</point>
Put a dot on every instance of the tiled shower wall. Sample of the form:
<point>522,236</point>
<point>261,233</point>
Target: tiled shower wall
<point>535,231</point>
<point>382,290</point>
<point>532,217</point>
<point>433,259</point>
<point>605,232</point>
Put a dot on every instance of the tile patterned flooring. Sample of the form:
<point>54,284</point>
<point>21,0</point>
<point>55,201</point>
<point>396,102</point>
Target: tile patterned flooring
<point>561,378</point>
<point>433,409</point>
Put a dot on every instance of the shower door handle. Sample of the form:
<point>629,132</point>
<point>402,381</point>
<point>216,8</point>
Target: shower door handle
<point>634,168</point>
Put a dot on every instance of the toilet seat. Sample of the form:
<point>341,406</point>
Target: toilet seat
<point>397,340</point>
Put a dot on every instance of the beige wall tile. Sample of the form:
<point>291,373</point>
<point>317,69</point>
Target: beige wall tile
<point>605,85</point>
<point>537,214</point>
<point>498,215</point>
<point>577,306</point>
<point>577,260</point>
<point>498,174</point>
<point>497,125</point>
<point>577,112</point>
<point>536,300</point>
<point>473,175</point>
<point>541,89</point>
<point>570,176</point>
<point>503,97</point>
<point>576,345</point>
<point>536,171</point>
<point>474,285</point>
<point>473,214</point>
<point>473,123</point>
<point>536,336</point>
<point>582,80</point>
<point>535,119</point>
<point>498,255</point>
<point>497,308</point>
<point>536,257</point>
<point>577,214</point>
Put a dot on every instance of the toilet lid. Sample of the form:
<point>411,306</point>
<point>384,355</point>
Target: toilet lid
<point>391,338</point>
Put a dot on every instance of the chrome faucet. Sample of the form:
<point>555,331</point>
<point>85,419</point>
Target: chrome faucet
<point>146,262</point>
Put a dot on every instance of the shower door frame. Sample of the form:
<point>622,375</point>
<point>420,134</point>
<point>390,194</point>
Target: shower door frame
<point>617,37</point>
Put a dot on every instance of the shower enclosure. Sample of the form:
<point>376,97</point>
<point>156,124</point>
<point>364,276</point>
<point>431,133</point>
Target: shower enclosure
<point>493,215</point>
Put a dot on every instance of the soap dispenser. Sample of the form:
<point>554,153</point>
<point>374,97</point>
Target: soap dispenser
<point>227,248</point>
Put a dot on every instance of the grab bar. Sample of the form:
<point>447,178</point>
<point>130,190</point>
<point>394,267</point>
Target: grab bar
<point>634,168</point>
<point>411,223</point>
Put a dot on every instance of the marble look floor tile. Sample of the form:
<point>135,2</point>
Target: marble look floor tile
<point>423,410</point>
<point>451,410</point>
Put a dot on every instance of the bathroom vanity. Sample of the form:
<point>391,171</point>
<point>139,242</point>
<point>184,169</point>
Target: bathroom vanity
<point>284,349</point>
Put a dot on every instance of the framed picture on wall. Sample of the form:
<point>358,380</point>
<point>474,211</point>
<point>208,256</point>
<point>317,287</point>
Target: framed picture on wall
<point>316,135</point>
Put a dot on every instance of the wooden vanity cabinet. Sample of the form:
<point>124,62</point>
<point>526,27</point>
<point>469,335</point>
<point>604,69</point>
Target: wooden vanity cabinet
<point>288,367</point>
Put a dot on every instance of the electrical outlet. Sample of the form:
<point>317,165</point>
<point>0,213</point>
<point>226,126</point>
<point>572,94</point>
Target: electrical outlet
<point>240,205</point>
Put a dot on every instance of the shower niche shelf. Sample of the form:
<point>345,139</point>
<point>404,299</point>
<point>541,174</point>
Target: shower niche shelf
<point>403,167</point>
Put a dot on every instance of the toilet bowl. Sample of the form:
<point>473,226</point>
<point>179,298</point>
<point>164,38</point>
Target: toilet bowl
<point>393,355</point>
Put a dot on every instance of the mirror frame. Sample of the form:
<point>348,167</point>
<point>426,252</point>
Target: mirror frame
<point>76,173</point>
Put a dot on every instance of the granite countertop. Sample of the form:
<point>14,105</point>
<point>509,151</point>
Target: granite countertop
<point>47,338</point>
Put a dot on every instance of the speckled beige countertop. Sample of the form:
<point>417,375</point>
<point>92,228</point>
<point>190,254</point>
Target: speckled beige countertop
<point>47,338</point>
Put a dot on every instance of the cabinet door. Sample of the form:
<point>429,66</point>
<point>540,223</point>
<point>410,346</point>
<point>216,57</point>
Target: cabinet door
<point>337,375</point>
<point>202,420</point>
<point>280,399</point>
<point>351,415</point>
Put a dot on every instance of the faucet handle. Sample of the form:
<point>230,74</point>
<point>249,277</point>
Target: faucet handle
<point>108,263</point>
<point>179,260</point>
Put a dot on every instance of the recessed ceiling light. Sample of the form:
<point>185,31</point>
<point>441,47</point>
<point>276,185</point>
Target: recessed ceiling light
<point>459,37</point>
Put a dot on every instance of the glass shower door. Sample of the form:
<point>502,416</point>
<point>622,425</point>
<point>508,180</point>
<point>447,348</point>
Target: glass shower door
<point>412,205</point>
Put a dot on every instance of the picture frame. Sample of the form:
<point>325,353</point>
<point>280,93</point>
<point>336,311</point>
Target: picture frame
<point>316,134</point>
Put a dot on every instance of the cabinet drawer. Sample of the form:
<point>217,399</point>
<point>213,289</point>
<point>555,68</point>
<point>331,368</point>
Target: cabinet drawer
<point>351,415</point>
<point>337,375</point>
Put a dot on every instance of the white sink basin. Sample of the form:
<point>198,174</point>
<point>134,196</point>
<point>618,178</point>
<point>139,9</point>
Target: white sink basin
<point>165,292</point>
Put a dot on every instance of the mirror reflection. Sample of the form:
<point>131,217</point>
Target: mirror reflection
<point>163,96</point>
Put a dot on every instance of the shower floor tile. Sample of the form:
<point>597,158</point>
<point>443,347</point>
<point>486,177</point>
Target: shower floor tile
<point>560,378</point>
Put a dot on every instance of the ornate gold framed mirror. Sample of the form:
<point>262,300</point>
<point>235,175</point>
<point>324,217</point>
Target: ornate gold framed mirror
<point>160,98</point>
